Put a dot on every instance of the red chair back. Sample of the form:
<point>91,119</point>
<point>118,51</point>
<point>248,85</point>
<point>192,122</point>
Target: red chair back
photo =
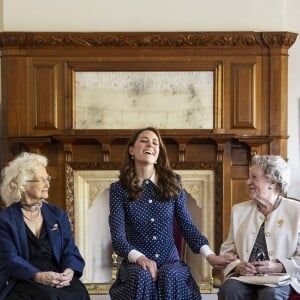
<point>294,296</point>
<point>179,240</point>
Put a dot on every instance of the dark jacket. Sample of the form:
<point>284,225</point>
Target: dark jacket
<point>14,264</point>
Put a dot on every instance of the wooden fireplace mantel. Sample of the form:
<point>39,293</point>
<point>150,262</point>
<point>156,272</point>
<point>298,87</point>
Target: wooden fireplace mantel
<point>249,115</point>
<point>240,39</point>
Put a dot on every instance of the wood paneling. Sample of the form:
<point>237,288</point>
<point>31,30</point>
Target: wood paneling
<point>250,101</point>
<point>243,96</point>
<point>45,97</point>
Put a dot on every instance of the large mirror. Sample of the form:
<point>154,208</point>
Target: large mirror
<point>118,100</point>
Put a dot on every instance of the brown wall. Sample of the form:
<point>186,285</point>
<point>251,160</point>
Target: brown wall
<point>250,102</point>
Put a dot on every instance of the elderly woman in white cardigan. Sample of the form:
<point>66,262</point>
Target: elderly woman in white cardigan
<point>264,234</point>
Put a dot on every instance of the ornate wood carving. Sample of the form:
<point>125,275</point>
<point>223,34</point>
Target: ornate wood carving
<point>69,181</point>
<point>95,166</point>
<point>147,39</point>
<point>193,165</point>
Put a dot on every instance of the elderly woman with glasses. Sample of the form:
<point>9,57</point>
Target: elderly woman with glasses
<point>264,234</point>
<point>38,256</point>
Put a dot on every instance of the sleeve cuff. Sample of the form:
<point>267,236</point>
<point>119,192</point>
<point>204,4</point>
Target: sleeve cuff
<point>133,255</point>
<point>205,251</point>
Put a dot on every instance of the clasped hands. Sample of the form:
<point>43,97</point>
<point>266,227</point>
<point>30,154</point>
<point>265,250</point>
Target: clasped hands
<point>219,262</point>
<point>259,267</point>
<point>55,279</point>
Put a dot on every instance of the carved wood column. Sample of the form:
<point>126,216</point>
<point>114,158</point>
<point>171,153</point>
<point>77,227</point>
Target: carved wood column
<point>278,67</point>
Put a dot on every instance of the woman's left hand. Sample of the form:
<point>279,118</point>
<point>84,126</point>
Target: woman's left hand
<point>65,278</point>
<point>266,266</point>
<point>220,261</point>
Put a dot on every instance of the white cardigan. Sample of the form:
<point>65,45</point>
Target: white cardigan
<point>282,232</point>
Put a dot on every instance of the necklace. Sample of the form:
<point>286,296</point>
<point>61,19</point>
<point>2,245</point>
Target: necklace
<point>266,210</point>
<point>31,207</point>
<point>277,202</point>
<point>34,218</point>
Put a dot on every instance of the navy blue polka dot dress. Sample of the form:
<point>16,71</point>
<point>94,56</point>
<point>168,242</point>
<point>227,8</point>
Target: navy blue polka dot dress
<point>146,225</point>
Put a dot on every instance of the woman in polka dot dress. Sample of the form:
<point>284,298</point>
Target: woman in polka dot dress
<point>143,205</point>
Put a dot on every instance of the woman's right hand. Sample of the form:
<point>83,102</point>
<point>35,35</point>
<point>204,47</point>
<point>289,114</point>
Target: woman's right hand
<point>48,278</point>
<point>247,269</point>
<point>149,264</point>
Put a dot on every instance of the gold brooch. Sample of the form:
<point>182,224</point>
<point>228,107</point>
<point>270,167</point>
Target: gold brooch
<point>280,222</point>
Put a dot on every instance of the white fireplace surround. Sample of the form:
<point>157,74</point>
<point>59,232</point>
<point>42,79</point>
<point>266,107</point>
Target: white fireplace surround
<point>91,230</point>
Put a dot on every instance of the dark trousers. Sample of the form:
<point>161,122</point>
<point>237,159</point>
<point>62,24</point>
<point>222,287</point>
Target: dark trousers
<point>233,289</point>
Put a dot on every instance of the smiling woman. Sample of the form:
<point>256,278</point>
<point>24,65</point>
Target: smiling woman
<point>143,205</point>
<point>263,223</point>
<point>38,257</point>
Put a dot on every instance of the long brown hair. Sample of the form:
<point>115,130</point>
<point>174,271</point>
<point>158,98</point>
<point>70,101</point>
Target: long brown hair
<point>168,184</point>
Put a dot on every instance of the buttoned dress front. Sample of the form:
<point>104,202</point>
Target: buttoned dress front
<point>146,225</point>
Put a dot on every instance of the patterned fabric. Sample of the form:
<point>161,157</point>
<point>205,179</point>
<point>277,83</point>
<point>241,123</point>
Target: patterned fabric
<point>260,250</point>
<point>146,225</point>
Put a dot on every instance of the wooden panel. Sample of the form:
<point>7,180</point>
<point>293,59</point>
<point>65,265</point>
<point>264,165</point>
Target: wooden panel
<point>45,97</point>
<point>14,90</point>
<point>240,156</point>
<point>87,153</point>
<point>239,191</point>
<point>45,87</point>
<point>243,95</point>
<point>201,152</point>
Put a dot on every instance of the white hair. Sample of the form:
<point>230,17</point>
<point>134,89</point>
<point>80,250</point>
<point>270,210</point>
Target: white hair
<point>15,174</point>
<point>276,169</point>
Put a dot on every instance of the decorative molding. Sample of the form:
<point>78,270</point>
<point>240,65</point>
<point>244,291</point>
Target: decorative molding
<point>277,39</point>
<point>70,193</point>
<point>95,165</point>
<point>147,39</point>
<point>219,203</point>
<point>192,165</point>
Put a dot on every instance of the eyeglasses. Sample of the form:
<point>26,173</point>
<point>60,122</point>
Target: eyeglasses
<point>42,180</point>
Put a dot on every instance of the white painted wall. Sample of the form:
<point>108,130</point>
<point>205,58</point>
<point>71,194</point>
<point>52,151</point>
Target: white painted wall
<point>137,15</point>
<point>172,15</point>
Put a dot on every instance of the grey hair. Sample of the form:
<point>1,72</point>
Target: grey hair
<point>275,169</point>
<point>16,173</point>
